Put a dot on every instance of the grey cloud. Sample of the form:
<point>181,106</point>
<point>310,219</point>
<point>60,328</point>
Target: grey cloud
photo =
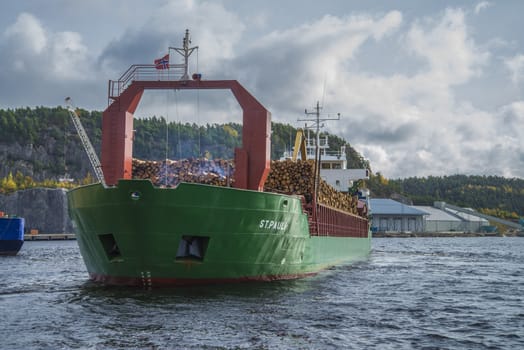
<point>430,110</point>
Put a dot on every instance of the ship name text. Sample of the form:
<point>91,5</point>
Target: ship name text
<point>272,225</point>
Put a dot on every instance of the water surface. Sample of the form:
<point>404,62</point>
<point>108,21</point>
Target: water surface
<point>412,293</point>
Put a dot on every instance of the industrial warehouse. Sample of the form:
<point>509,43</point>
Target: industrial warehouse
<point>393,218</point>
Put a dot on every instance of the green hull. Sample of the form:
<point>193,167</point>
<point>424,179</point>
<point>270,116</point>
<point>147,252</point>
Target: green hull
<point>137,234</point>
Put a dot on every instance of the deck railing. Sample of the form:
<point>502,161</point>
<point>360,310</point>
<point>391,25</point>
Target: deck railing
<point>143,72</point>
<point>332,222</point>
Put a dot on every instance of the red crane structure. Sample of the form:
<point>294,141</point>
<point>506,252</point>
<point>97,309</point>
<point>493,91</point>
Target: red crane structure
<point>252,160</point>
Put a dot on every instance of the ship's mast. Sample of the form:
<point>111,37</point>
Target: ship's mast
<point>185,51</point>
<point>316,120</point>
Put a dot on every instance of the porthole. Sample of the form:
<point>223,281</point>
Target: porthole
<point>136,195</point>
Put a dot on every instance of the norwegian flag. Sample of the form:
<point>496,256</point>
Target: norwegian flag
<point>162,63</point>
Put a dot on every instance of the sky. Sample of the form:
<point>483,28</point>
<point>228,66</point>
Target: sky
<point>423,88</point>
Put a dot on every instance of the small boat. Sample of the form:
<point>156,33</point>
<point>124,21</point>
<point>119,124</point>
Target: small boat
<point>11,234</point>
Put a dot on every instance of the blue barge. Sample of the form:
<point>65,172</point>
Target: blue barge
<point>11,234</point>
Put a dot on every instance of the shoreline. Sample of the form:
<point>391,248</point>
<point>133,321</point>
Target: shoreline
<point>443,234</point>
<point>49,237</point>
<point>71,236</point>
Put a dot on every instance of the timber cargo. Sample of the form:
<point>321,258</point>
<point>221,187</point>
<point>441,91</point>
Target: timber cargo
<point>197,221</point>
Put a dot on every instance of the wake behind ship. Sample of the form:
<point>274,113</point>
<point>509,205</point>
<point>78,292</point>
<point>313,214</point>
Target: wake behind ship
<point>212,228</point>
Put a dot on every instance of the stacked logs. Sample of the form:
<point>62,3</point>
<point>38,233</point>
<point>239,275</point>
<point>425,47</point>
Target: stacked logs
<point>290,177</point>
<point>298,177</point>
<point>328,195</point>
<point>287,176</point>
<point>170,173</point>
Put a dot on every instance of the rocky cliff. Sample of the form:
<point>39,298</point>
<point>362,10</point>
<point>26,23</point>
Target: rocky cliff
<point>44,162</point>
<point>44,209</point>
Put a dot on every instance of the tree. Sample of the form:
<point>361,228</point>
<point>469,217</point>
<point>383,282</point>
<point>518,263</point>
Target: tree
<point>8,184</point>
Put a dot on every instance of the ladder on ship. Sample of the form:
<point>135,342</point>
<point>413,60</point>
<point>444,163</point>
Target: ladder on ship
<point>88,147</point>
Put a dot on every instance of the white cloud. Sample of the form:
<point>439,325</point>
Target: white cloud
<point>28,34</point>
<point>290,66</point>
<point>516,66</point>
<point>218,32</point>
<point>446,45</point>
<point>25,39</point>
<point>415,123</point>
<point>409,124</point>
<point>482,6</point>
<point>35,50</point>
<point>377,154</point>
<point>69,56</point>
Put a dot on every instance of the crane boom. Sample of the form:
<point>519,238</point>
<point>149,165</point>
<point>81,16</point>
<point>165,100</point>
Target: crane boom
<point>88,147</point>
<point>300,145</point>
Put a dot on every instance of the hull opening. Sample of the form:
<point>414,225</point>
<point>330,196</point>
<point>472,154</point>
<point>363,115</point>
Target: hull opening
<point>192,248</point>
<point>110,247</point>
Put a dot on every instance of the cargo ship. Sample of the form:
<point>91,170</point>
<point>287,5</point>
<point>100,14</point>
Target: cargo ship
<point>11,234</point>
<point>139,232</point>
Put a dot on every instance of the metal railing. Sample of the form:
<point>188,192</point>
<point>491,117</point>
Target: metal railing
<point>143,72</point>
<point>334,223</point>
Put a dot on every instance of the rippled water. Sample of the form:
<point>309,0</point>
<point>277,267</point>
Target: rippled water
<point>416,293</point>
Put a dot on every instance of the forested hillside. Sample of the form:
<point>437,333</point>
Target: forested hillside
<point>40,145</point>
<point>492,195</point>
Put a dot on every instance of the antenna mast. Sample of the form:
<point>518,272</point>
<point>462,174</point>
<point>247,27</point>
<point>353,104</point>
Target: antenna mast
<point>316,120</point>
<point>185,51</point>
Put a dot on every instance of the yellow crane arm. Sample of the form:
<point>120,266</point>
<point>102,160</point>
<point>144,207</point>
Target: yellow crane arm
<point>300,144</point>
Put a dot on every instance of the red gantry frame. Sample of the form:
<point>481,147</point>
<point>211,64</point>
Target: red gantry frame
<point>252,160</point>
